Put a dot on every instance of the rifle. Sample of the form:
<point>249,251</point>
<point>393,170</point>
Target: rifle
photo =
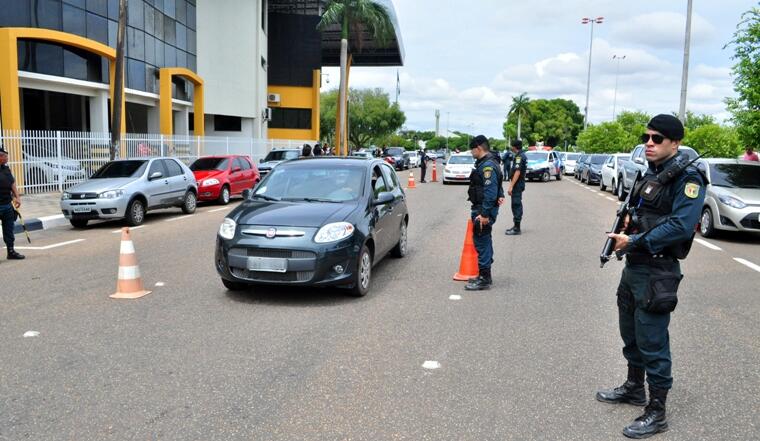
<point>23,224</point>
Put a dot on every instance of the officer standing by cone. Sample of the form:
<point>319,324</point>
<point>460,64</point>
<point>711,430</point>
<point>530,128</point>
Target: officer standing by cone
<point>667,204</point>
<point>424,158</point>
<point>484,193</point>
<point>517,185</point>
<point>9,203</point>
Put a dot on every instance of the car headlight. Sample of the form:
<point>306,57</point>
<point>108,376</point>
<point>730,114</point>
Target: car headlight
<point>227,229</point>
<point>334,232</point>
<point>732,201</point>
<point>111,194</point>
<point>209,182</point>
<point>447,170</point>
<point>66,196</point>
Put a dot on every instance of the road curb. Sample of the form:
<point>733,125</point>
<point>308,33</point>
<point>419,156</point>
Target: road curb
<point>41,223</point>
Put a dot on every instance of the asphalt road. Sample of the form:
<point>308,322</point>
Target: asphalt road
<point>192,361</point>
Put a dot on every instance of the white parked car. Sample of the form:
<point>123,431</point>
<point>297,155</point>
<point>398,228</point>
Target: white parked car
<point>414,159</point>
<point>611,170</point>
<point>732,201</point>
<point>458,168</point>
<point>41,167</point>
<point>569,161</point>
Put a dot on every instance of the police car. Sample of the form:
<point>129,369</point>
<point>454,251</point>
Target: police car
<point>458,168</point>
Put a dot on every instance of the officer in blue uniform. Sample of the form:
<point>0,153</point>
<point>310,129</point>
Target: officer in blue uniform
<point>9,203</point>
<point>485,194</point>
<point>668,201</point>
<point>517,185</point>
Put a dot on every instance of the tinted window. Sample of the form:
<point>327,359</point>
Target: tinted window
<point>121,169</point>
<point>378,182</point>
<point>156,166</point>
<point>390,182</point>
<point>237,164</point>
<point>598,159</point>
<point>224,123</point>
<point>461,159</point>
<point>396,151</point>
<point>244,164</point>
<point>74,21</point>
<point>210,164</point>
<point>572,156</point>
<point>621,160</point>
<point>393,175</point>
<point>536,156</point>
<point>172,167</point>
<point>282,155</point>
<point>97,28</point>
<point>318,183</point>
<point>284,118</point>
<point>45,14</point>
<point>735,175</point>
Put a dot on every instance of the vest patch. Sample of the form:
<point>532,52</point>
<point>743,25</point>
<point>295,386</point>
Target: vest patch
<point>691,190</point>
<point>487,172</point>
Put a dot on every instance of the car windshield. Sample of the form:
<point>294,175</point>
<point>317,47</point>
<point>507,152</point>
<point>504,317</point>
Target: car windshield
<point>572,156</point>
<point>599,160</point>
<point>335,183</point>
<point>413,154</point>
<point>537,156</point>
<point>735,175</point>
<point>281,155</point>
<point>621,160</point>
<point>210,164</point>
<point>395,151</point>
<point>121,169</point>
<point>462,159</point>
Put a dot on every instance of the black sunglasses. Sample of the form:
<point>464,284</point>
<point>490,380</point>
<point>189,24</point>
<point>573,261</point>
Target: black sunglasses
<point>656,138</point>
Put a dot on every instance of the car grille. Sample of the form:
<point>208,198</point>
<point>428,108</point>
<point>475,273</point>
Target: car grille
<point>84,196</point>
<point>268,252</point>
<point>751,221</point>
<point>300,276</point>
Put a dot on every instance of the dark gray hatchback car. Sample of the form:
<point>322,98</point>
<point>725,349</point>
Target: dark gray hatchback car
<point>322,221</point>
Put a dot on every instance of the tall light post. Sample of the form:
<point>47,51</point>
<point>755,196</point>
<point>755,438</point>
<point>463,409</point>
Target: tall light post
<point>617,74</point>
<point>685,72</point>
<point>591,21</point>
<point>448,114</point>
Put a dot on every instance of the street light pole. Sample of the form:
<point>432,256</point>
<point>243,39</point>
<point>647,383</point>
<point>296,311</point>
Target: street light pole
<point>685,72</point>
<point>617,74</point>
<point>118,86</point>
<point>591,21</point>
<point>448,114</point>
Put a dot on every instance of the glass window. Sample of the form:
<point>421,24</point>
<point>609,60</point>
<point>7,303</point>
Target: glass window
<point>170,31</point>
<point>224,123</point>
<point>157,166</point>
<point>74,21</point>
<point>461,159</point>
<point>285,118</point>
<point>191,64</point>
<point>181,58</point>
<point>125,169</point>
<point>135,14</point>
<point>316,183</point>
<point>244,163</point>
<point>74,66</point>
<point>238,163</point>
<point>158,24</point>
<point>46,14</point>
<point>172,167</point>
<point>170,8</point>
<point>100,7</point>
<point>113,29</point>
<point>113,9</point>
<point>135,43</point>
<point>160,53</point>
<point>150,20</point>
<point>181,33</point>
<point>191,16</point>
<point>387,174</point>
<point>181,11</point>
<point>78,3</point>
<point>13,15</point>
<point>135,74</point>
<point>151,80</point>
<point>150,50</point>
<point>191,47</point>
<point>97,28</point>
<point>735,175</point>
<point>170,55</point>
<point>210,164</point>
<point>378,182</point>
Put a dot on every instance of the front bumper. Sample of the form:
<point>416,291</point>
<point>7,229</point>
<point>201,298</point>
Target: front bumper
<point>536,173</point>
<point>737,219</point>
<point>209,193</point>
<point>569,169</point>
<point>308,263</point>
<point>94,208</point>
<point>456,177</point>
<point>594,177</point>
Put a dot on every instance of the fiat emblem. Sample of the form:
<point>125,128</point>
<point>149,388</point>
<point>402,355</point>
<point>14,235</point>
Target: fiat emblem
<point>82,196</point>
<point>271,233</point>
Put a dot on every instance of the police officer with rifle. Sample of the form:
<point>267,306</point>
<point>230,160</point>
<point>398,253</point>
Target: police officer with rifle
<point>654,230</point>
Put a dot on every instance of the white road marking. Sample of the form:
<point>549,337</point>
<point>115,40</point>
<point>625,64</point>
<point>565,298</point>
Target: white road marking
<point>430,364</point>
<point>455,297</point>
<point>708,244</point>
<point>748,264</point>
<point>160,284</point>
<point>178,218</point>
<point>31,334</point>
<point>218,209</point>
<point>600,194</point>
<point>55,245</point>
<point>130,229</point>
<point>611,199</point>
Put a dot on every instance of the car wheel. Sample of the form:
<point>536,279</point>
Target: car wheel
<point>445,183</point>
<point>707,223</point>
<point>613,188</point>
<point>620,191</point>
<point>135,213</point>
<point>188,206</point>
<point>400,249</point>
<point>601,185</point>
<point>559,175</point>
<point>224,196</point>
<point>546,176</point>
<point>234,286</point>
<point>363,274</point>
<point>78,223</point>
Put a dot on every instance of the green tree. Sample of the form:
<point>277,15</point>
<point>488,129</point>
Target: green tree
<point>372,116</point>
<point>745,108</point>
<point>633,122</point>
<point>712,140</point>
<point>354,18</point>
<point>519,108</point>
<point>555,122</point>
<point>694,121</point>
<point>607,137</point>
<point>328,103</point>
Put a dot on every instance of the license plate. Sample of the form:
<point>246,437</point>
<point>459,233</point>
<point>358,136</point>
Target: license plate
<point>267,264</point>
<point>82,209</point>
<point>460,176</point>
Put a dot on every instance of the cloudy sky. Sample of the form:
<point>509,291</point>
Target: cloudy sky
<point>469,59</point>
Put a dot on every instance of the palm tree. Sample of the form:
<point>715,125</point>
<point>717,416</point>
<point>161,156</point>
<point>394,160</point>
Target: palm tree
<point>520,107</point>
<point>354,16</point>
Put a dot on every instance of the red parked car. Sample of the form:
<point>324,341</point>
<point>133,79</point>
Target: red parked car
<point>220,177</point>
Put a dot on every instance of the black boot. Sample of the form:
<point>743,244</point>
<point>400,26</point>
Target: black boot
<point>14,255</point>
<point>632,391</point>
<point>482,282</point>
<point>653,420</point>
<point>514,231</point>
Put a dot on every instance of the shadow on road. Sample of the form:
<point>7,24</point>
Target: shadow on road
<point>736,237</point>
<point>294,296</point>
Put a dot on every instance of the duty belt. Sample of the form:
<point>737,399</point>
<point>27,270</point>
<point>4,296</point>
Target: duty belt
<point>649,259</point>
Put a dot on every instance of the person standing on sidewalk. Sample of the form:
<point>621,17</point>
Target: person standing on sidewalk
<point>517,185</point>
<point>750,155</point>
<point>424,158</point>
<point>9,203</point>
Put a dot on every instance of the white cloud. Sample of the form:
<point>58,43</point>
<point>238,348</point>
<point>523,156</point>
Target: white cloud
<point>664,30</point>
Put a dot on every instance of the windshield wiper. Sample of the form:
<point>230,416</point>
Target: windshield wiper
<point>313,200</point>
<point>268,198</point>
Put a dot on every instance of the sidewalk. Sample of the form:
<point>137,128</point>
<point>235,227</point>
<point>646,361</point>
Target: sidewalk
<point>40,212</point>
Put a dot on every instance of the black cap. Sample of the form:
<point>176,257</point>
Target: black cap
<point>3,151</point>
<point>517,143</point>
<point>668,125</point>
<point>478,141</point>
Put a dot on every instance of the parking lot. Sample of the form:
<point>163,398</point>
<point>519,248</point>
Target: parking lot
<point>417,358</point>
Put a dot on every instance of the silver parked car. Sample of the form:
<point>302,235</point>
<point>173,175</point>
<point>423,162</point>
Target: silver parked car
<point>733,196</point>
<point>128,188</point>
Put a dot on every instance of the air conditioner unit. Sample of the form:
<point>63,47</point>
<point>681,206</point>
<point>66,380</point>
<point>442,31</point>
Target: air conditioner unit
<point>274,98</point>
<point>267,114</point>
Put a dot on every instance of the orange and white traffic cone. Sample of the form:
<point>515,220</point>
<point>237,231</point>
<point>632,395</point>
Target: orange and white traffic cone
<point>411,183</point>
<point>129,285</point>
<point>435,174</point>
<point>468,263</point>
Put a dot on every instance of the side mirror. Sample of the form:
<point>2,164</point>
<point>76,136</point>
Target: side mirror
<point>247,194</point>
<point>261,160</point>
<point>383,198</point>
<point>156,175</point>
<point>639,160</point>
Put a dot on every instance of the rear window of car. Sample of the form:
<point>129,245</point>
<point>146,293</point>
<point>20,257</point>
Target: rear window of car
<point>395,151</point>
<point>210,164</point>
<point>572,156</point>
<point>282,155</point>
<point>599,159</point>
<point>461,159</point>
<point>121,169</point>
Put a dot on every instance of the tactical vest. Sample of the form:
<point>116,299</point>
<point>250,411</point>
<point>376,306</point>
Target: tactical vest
<point>476,192</point>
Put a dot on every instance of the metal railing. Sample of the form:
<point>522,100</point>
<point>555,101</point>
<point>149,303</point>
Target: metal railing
<point>52,161</point>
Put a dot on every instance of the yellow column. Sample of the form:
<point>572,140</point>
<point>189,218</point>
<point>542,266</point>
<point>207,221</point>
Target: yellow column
<point>199,128</point>
<point>315,110</point>
<point>165,102</point>
<point>10,100</point>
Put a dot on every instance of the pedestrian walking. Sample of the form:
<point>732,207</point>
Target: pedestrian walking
<point>483,194</point>
<point>517,185</point>
<point>659,233</point>
<point>424,158</point>
<point>306,150</point>
<point>750,155</point>
<point>9,203</point>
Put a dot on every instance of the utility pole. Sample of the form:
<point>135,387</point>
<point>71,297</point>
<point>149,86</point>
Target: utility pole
<point>118,86</point>
<point>437,122</point>
<point>685,72</point>
<point>448,115</point>
<point>591,21</point>
<point>617,74</point>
